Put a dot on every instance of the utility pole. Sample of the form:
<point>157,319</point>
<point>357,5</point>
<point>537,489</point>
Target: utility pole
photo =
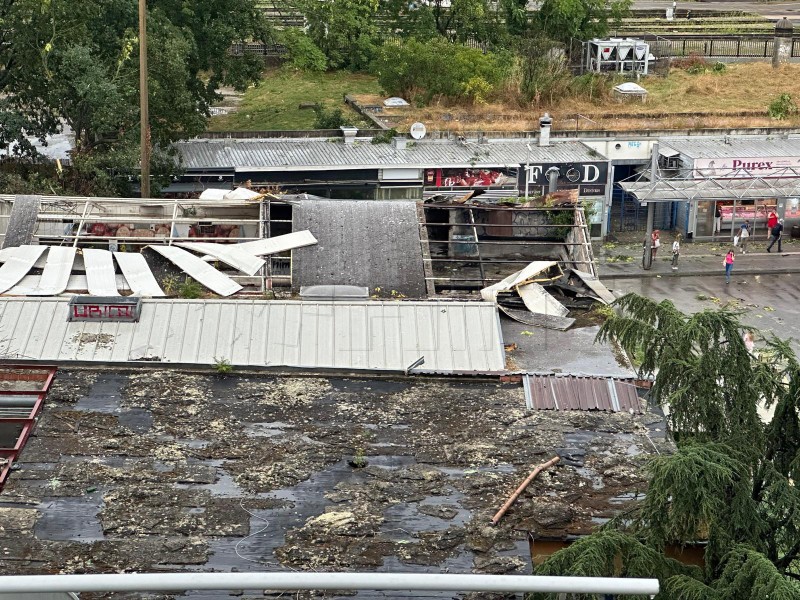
<point>143,101</point>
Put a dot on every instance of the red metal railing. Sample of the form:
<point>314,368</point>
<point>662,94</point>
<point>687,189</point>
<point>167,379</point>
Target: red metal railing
<point>22,393</point>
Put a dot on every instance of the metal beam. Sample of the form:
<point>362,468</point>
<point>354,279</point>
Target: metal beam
<point>146,582</point>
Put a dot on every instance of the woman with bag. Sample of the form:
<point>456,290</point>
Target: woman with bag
<point>728,263</point>
<point>656,238</point>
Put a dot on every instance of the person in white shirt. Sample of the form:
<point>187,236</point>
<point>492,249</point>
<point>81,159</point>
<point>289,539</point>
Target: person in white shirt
<point>676,251</point>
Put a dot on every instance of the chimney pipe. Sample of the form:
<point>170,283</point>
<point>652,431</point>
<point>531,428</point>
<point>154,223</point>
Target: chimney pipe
<point>544,129</point>
<point>349,134</point>
<point>399,142</point>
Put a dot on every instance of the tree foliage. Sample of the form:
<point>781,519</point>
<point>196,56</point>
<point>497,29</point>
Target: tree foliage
<point>731,482</point>
<point>345,30</point>
<point>566,20</point>
<point>76,64</point>
<point>423,70</point>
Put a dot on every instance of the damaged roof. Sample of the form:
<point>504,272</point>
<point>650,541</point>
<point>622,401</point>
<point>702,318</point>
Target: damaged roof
<point>163,469</point>
<point>362,243</point>
<point>285,154</point>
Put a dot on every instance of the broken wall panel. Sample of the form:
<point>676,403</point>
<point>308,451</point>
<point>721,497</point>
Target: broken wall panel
<point>361,243</point>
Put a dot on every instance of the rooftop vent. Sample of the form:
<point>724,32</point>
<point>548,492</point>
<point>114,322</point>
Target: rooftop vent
<point>349,133</point>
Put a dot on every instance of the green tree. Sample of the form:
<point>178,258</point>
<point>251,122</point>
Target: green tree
<point>345,30</point>
<point>566,20</point>
<point>76,63</point>
<point>731,482</point>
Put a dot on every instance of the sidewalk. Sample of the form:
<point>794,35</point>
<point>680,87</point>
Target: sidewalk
<point>619,261</point>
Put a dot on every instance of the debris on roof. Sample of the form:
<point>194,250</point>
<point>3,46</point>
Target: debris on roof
<point>553,392</point>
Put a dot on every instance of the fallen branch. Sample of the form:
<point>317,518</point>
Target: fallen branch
<point>521,488</point>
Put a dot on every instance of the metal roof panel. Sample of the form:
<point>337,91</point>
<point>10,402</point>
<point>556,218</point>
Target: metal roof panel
<point>288,154</point>
<point>734,146</point>
<point>383,336</point>
<point>554,392</point>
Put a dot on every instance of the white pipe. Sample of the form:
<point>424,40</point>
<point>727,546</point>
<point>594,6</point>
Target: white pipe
<point>152,582</point>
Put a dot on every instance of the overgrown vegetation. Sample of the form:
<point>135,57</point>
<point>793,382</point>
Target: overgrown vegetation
<point>731,483</point>
<point>190,289</point>
<point>222,366</point>
<point>332,118</point>
<point>782,107</point>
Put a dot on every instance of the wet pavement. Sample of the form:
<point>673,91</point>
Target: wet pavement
<point>769,302</point>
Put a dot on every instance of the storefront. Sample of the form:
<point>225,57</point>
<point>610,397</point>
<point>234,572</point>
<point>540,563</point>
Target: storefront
<point>699,201</point>
<point>727,181</point>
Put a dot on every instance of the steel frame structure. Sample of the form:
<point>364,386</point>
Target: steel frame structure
<point>728,184</point>
<point>15,408</point>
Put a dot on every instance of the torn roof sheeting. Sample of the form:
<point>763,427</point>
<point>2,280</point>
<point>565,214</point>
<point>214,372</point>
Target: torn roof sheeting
<point>362,243</point>
<point>582,393</point>
<point>216,281</point>
<point>536,272</point>
<point>452,337</point>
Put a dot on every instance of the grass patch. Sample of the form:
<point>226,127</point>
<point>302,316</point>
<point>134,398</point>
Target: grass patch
<point>728,98</point>
<point>274,103</point>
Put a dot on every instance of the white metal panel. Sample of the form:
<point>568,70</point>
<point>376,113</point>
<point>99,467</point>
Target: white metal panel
<point>230,254</point>
<point>281,243</point>
<point>55,275</point>
<point>217,282</point>
<point>100,276</point>
<point>17,265</point>
<point>538,300</point>
<point>138,274</point>
<point>460,337</point>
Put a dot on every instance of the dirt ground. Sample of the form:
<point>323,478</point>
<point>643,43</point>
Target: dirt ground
<point>163,470</point>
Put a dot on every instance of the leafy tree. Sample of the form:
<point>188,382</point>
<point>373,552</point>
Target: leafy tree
<point>426,69</point>
<point>565,20</point>
<point>345,30</point>
<point>76,63</point>
<point>303,54</point>
<point>731,482</point>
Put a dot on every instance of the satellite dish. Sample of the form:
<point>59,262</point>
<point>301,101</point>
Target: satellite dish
<point>418,131</point>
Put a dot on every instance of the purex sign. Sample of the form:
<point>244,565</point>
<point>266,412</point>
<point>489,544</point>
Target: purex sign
<point>589,177</point>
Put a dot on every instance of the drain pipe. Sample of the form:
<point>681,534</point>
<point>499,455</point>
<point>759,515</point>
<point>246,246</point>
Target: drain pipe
<point>167,582</point>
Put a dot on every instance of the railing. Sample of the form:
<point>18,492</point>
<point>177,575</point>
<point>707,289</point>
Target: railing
<point>741,46</point>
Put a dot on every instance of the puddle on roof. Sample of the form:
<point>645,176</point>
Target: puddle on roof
<point>104,397</point>
<point>69,518</point>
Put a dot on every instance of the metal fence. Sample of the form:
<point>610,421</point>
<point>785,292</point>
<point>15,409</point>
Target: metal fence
<point>741,46</point>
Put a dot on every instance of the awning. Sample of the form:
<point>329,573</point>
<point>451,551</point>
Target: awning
<point>670,190</point>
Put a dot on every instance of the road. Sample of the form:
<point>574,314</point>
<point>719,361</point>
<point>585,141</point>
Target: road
<point>770,301</point>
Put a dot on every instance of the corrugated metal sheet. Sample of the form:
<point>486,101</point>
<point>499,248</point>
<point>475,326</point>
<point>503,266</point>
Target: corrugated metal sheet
<point>100,277</point>
<point>55,275</point>
<point>281,153</point>
<point>734,147</point>
<point>581,393</point>
<point>230,254</point>
<point>216,281</point>
<point>138,274</point>
<point>17,265</point>
<point>383,336</point>
<point>279,243</point>
<point>367,244</point>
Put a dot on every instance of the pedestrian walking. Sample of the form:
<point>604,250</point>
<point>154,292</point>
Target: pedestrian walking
<point>728,262</point>
<point>744,236</point>
<point>676,251</point>
<point>772,220</point>
<point>717,220</point>
<point>776,233</point>
<point>656,238</point>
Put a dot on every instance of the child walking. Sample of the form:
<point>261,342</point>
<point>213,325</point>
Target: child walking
<point>729,258</point>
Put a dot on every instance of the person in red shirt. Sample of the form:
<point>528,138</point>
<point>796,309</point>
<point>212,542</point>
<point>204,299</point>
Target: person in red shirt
<point>772,220</point>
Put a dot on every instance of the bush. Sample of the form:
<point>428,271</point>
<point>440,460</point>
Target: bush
<point>190,289</point>
<point>782,107</point>
<point>692,64</point>
<point>329,119</point>
<point>303,54</point>
<point>416,69</point>
<point>544,74</point>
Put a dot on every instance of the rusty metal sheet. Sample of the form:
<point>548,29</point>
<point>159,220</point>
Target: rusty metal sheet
<point>552,392</point>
